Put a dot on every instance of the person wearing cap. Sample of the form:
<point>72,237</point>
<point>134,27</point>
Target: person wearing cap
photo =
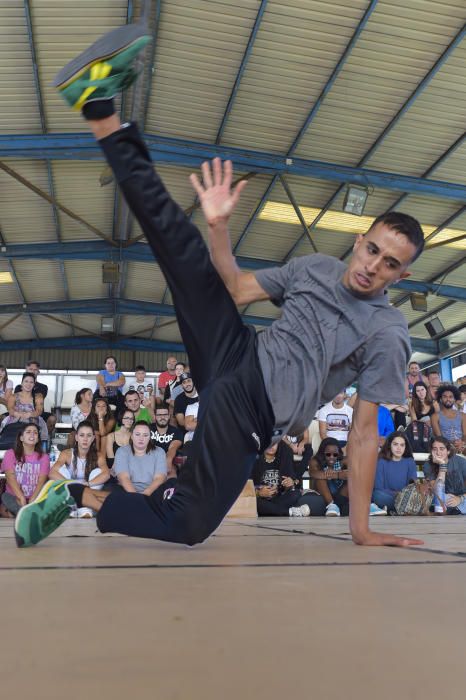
<point>188,396</point>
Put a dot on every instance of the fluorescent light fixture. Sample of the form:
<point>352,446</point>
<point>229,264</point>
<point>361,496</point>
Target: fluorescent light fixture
<point>107,324</point>
<point>6,278</point>
<point>355,200</point>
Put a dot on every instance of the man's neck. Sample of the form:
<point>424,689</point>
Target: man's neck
<point>449,411</point>
<point>338,405</point>
<point>161,429</point>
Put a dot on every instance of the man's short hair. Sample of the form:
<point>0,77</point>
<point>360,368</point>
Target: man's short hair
<point>448,387</point>
<point>405,224</point>
<point>139,368</point>
<point>131,392</point>
<point>432,371</point>
<point>32,362</point>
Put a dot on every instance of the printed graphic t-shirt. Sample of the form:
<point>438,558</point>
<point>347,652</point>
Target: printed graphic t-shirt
<point>28,472</point>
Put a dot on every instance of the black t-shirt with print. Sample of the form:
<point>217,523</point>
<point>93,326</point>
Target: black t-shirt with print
<point>182,402</point>
<point>164,441</point>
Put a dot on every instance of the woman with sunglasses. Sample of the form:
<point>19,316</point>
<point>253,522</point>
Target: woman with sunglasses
<point>396,468</point>
<point>330,474</point>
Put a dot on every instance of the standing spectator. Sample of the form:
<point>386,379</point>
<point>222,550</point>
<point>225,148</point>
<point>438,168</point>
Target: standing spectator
<point>167,376</point>
<point>120,438</point>
<point>335,419</point>
<point>133,403</point>
<point>414,375</point>
<point>166,436</point>
<point>82,407</point>
<point>385,424</point>
<point>445,465</point>
<point>449,422</point>
<point>434,380</point>
<point>396,468</point>
<point>82,463</point>
<point>110,383</point>
<point>188,396</point>
<point>26,468</point>
<point>25,407</point>
<point>6,386</point>
<point>422,405</point>
<point>33,367</point>
<point>102,420</point>
<point>141,467</point>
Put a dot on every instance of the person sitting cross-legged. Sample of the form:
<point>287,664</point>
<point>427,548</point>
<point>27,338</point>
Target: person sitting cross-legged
<point>82,463</point>
<point>396,468</point>
<point>141,466</point>
<point>26,468</point>
<point>328,469</point>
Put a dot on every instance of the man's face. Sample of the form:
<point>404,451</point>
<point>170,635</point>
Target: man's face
<point>33,368</point>
<point>339,398</point>
<point>133,402</point>
<point>140,376</point>
<point>161,418</point>
<point>379,259</point>
<point>414,368</point>
<point>434,380</point>
<point>447,399</point>
<point>171,364</point>
<point>187,385</point>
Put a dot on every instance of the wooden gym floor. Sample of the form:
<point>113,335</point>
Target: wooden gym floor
<point>269,608</point>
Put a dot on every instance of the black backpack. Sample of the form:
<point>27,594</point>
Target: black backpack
<point>418,435</point>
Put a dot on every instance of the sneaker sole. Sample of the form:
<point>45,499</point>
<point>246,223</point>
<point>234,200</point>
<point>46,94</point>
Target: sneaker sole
<point>105,47</point>
<point>332,515</point>
<point>377,515</point>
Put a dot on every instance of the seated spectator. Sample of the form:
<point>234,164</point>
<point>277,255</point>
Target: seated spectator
<point>434,381</point>
<point>422,406</point>
<point>144,387</point>
<point>26,468</point>
<point>166,376</point>
<point>450,469</point>
<point>82,407</point>
<point>328,469</point>
<point>133,403</point>
<point>187,397</point>
<point>102,420</point>
<point>6,386</point>
<point>140,467</point>
<point>413,376</point>
<point>419,434</point>
<point>190,421</point>
<point>174,388</point>
<point>335,420</point>
<point>302,452</point>
<point>110,383</point>
<point>120,438</point>
<point>396,468</point>
<point>83,464</point>
<point>449,422</point>
<point>462,400</point>
<point>25,407</point>
<point>166,436</point>
<point>277,486</point>
<point>34,367</point>
<point>385,424</point>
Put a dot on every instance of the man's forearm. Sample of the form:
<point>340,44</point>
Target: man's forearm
<point>362,461</point>
<point>222,257</point>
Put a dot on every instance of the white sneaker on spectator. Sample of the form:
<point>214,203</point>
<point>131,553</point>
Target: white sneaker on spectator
<point>438,509</point>
<point>85,513</point>
<point>300,511</point>
<point>375,510</point>
<point>332,511</point>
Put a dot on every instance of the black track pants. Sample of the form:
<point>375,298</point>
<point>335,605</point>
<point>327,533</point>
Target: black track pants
<point>235,419</point>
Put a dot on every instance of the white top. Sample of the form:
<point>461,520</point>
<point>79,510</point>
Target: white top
<point>338,420</point>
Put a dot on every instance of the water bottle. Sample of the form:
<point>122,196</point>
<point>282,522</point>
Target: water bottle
<point>54,452</point>
<point>439,490</point>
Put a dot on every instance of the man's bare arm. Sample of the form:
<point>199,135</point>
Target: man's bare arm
<point>218,201</point>
<point>362,460</point>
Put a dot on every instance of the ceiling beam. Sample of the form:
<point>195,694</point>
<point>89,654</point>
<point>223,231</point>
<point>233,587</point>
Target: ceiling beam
<point>193,153</point>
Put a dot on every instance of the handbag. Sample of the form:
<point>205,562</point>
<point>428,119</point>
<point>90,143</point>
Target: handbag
<point>414,499</point>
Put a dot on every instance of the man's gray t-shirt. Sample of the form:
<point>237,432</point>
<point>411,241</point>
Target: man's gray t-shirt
<point>142,469</point>
<point>327,338</point>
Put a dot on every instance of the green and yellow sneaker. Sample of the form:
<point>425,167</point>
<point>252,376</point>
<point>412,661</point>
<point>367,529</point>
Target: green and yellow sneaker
<point>104,69</point>
<point>39,519</point>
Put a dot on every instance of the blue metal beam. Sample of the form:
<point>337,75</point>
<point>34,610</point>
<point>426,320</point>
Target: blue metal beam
<point>93,343</point>
<point>242,68</point>
<point>193,153</point>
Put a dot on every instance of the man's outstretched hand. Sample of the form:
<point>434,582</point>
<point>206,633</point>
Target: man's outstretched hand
<point>217,198</point>
<point>377,539</point>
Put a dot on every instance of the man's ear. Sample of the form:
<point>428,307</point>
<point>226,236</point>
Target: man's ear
<point>358,241</point>
<point>404,275</point>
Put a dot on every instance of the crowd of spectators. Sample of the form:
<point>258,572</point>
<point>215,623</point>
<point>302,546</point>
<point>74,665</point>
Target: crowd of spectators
<point>136,435</point>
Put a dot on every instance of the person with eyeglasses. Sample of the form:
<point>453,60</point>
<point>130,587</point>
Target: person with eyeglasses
<point>166,436</point>
<point>329,470</point>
